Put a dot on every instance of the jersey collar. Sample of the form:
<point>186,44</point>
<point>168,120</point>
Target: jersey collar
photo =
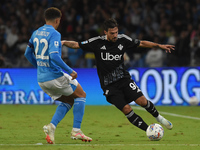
<point>48,26</point>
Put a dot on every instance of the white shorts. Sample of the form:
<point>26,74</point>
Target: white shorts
<point>60,86</point>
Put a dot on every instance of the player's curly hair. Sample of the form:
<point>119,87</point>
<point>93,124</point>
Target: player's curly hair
<point>52,13</point>
<point>110,23</point>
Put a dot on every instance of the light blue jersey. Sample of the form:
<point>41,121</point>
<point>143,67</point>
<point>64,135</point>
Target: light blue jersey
<point>46,40</point>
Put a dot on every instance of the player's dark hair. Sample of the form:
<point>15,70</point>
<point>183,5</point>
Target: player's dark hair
<point>110,23</point>
<point>52,13</point>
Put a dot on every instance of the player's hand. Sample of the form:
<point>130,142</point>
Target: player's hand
<point>167,48</point>
<point>74,75</point>
<point>63,42</point>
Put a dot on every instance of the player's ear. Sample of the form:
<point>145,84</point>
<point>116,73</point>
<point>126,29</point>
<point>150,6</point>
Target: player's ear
<point>105,32</point>
<point>56,20</point>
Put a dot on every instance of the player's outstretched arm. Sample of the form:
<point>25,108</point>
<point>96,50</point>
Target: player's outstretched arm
<point>149,44</point>
<point>71,44</point>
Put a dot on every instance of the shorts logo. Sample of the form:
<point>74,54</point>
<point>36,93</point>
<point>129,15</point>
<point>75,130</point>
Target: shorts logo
<point>107,91</point>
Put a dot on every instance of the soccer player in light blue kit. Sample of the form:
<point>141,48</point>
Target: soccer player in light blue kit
<point>44,52</point>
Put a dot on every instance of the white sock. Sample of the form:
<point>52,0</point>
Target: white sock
<point>159,118</point>
<point>53,125</point>
<point>76,129</point>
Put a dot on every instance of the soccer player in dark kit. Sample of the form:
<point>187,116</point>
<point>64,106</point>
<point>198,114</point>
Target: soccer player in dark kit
<point>115,80</point>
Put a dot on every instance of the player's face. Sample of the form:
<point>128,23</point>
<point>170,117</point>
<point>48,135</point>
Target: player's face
<point>112,34</point>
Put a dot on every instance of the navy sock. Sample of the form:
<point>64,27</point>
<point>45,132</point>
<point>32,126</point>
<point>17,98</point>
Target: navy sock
<point>137,120</point>
<point>151,109</point>
<point>60,113</point>
<point>78,111</point>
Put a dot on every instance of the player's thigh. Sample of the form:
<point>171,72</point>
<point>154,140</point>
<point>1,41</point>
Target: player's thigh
<point>115,97</point>
<point>70,99</point>
<point>68,86</point>
<point>131,91</point>
<point>79,92</point>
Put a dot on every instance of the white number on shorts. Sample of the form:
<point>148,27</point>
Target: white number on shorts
<point>133,86</point>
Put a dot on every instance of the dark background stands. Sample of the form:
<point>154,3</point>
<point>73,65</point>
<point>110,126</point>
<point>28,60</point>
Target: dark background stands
<point>173,21</point>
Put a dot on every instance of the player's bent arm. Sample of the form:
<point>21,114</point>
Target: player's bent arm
<point>73,75</point>
<point>55,57</point>
<point>29,54</point>
<point>71,44</point>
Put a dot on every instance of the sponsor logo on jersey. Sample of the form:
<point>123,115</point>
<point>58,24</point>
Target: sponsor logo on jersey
<point>103,47</point>
<point>120,47</point>
<point>108,56</point>
<point>84,42</point>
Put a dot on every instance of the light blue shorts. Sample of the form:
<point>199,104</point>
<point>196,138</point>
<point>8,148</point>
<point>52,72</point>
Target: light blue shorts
<point>63,85</point>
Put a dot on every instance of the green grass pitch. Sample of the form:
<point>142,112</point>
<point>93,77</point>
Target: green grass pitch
<point>21,129</point>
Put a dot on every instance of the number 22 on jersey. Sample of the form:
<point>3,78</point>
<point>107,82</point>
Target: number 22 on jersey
<point>40,53</point>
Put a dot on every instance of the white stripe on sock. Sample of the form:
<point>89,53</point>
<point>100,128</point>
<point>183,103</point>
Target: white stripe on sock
<point>129,115</point>
<point>80,100</point>
<point>68,105</point>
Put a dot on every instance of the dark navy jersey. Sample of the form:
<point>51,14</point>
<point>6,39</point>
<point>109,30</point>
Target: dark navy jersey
<point>110,56</point>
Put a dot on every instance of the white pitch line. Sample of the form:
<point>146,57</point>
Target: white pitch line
<point>39,144</point>
<point>171,114</point>
<point>134,107</point>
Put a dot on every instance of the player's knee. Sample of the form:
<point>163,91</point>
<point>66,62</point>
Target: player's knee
<point>142,101</point>
<point>126,109</point>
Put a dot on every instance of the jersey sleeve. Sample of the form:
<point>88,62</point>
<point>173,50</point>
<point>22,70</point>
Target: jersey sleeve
<point>55,43</point>
<point>29,52</point>
<point>30,42</point>
<point>87,46</point>
<point>131,43</point>
<point>56,58</point>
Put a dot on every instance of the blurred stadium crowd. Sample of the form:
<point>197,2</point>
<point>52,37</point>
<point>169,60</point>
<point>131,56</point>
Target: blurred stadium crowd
<point>174,22</point>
